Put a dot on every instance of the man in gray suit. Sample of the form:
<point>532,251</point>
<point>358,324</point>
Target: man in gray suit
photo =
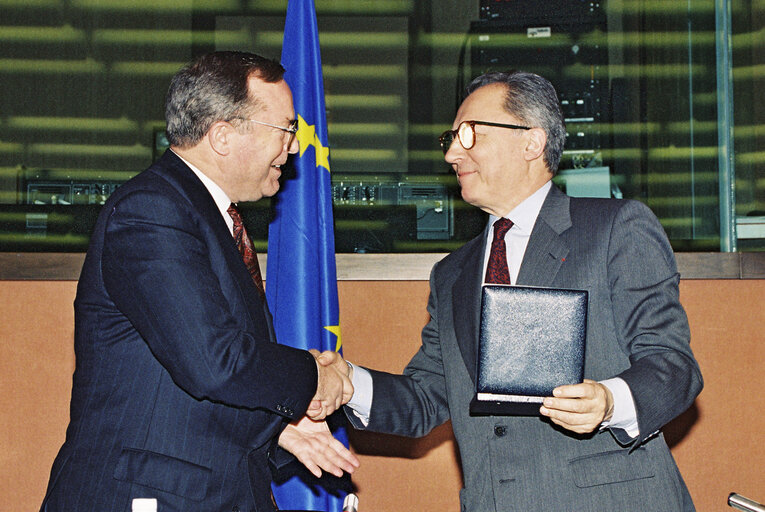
<point>596,445</point>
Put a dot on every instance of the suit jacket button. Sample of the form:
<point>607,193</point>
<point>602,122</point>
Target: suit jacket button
<point>500,430</point>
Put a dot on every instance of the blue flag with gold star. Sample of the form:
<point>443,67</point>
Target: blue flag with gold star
<point>301,277</point>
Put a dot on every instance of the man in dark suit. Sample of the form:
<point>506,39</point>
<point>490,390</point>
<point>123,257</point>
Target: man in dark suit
<point>595,445</point>
<point>180,390</point>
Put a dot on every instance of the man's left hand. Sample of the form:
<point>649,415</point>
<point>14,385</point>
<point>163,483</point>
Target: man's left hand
<point>580,408</point>
<point>315,446</point>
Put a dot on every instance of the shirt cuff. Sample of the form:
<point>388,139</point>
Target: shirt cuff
<point>361,401</point>
<point>625,414</point>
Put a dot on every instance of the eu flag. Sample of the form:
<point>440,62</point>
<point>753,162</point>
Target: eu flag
<point>301,276</point>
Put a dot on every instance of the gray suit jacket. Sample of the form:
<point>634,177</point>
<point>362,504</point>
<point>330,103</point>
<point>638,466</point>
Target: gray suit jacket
<point>637,330</point>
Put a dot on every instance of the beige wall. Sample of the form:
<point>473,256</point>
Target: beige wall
<point>717,443</point>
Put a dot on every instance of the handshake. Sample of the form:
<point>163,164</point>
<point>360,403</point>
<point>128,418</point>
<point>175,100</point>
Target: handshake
<point>334,387</point>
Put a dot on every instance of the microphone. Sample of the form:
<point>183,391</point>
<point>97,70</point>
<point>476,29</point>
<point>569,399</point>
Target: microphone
<point>351,503</point>
<point>741,503</point>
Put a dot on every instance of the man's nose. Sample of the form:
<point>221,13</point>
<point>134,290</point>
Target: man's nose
<point>454,152</point>
<point>293,146</point>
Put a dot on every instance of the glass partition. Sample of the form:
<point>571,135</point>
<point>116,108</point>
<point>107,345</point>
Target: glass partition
<point>643,84</point>
<point>748,77</point>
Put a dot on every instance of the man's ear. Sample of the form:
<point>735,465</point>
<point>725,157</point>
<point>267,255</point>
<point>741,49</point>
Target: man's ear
<point>536,140</point>
<point>219,137</point>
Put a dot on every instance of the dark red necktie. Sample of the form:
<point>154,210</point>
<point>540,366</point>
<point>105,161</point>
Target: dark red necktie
<point>246,249</point>
<point>497,271</point>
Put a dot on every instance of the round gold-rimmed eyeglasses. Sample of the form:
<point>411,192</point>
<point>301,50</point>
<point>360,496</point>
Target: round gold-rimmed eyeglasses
<point>465,132</point>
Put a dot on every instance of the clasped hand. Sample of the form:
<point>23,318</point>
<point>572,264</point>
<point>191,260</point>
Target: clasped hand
<point>334,388</point>
<point>309,438</point>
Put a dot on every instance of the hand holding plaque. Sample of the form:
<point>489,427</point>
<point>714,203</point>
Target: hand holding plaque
<point>532,340</point>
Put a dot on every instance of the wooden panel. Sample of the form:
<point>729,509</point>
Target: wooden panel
<point>36,364</point>
<point>382,267</point>
<point>716,443</point>
<point>381,324</point>
<point>709,265</point>
<point>753,265</point>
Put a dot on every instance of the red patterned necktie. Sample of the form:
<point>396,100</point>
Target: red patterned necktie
<point>246,249</point>
<point>497,271</point>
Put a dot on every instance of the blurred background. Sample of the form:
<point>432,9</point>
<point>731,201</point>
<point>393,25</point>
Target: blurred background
<point>660,100</point>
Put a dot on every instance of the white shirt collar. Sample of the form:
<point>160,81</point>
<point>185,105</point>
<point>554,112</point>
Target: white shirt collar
<point>524,216</point>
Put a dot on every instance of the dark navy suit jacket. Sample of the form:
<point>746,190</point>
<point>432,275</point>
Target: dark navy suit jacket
<point>179,390</point>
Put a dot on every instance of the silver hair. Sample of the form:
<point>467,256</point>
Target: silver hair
<point>533,101</point>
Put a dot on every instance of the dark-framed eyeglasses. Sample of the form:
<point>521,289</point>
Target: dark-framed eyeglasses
<point>291,129</point>
<point>465,132</point>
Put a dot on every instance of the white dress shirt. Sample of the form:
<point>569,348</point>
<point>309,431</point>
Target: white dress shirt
<point>524,216</point>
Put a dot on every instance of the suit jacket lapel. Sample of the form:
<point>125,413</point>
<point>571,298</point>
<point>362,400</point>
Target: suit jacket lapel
<point>172,168</point>
<point>466,302</point>
<point>176,171</point>
<point>546,251</point>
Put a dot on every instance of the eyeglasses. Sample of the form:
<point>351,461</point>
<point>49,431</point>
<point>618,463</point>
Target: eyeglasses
<point>291,129</point>
<point>465,132</point>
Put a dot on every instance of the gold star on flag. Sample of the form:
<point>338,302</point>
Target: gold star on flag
<point>322,154</point>
<point>335,329</point>
<point>306,134</point>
